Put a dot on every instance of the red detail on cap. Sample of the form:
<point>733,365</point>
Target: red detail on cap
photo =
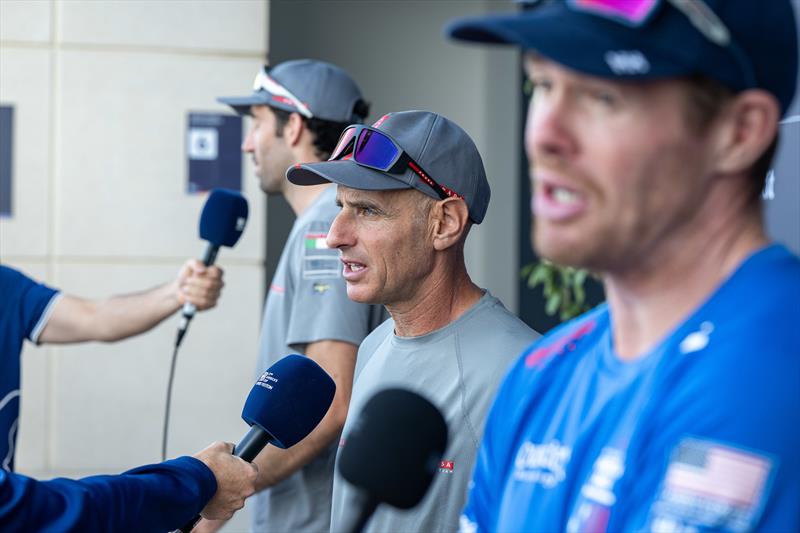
<point>381,121</point>
<point>283,100</point>
<point>447,465</point>
<point>348,156</point>
<point>298,165</point>
<point>560,345</point>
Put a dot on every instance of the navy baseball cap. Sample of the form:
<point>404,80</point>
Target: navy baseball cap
<point>742,44</point>
<point>315,89</point>
<point>435,143</point>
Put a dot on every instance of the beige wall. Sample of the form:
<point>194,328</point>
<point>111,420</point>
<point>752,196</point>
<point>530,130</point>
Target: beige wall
<point>101,90</point>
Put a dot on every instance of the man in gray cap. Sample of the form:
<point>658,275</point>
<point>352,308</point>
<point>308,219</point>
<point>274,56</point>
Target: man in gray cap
<point>673,407</point>
<point>411,187</point>
<point>298,110</point>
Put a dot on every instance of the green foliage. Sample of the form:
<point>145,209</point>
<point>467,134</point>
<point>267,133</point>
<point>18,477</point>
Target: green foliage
<point>562,287</point>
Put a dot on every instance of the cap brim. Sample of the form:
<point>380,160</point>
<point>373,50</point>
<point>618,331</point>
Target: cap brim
<point>575,40</point>
<point>241,104</point>
<point>345,173</point>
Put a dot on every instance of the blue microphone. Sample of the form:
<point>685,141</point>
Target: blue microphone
<point>221,224</point>
<point>287,402</point>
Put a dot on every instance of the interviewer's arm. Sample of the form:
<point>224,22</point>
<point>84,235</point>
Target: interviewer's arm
<point>76,319</point>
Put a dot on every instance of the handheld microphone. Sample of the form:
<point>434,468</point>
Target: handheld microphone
<point>287,402</point>
<point>221,224</point>
<point>404,426</point>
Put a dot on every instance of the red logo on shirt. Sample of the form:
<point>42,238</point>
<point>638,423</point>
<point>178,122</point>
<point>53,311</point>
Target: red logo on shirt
<point>560,345</point>
<point>446,466</point>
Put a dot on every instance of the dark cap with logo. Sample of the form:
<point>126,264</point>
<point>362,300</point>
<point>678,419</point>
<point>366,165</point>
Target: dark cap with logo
<point>325,90</point>
<point>437,144</point>
<point>742,44</point>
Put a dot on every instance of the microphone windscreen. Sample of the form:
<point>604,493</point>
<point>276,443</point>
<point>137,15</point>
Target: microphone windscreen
<point>394,447</point>
<point>289,399</point>
<point>224,217</point>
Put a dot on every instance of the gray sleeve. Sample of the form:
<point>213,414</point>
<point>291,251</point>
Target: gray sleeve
<point>320,308</point>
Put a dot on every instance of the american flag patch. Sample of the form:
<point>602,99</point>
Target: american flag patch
<point>708,484</point>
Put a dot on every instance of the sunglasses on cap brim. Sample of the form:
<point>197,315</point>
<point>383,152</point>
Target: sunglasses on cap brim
<point>372,148</point>
<point>279,93</point>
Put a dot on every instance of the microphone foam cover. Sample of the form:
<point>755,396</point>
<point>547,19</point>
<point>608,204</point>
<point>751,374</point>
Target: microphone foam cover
<point>393,450</point>
<point>289,399</point>
<point>224,217</point>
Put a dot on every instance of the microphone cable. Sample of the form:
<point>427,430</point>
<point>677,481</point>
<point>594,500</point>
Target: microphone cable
<point>165,431</point>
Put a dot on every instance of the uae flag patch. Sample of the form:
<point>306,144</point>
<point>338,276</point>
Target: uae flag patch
<point>316,241</point>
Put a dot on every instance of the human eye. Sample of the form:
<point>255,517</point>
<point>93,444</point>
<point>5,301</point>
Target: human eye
<point>604,97</point>
<point>366,211</point>
<point>537,85</point>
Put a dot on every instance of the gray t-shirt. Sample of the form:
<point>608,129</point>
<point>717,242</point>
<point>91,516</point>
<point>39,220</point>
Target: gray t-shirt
<point>458,368</point>
<point>307,302</point>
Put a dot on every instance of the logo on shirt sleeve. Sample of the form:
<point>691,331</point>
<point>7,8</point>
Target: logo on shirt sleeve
<point>710,485</point>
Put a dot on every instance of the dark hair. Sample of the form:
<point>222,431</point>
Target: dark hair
<point>326,132</point>
<point>706,99</point>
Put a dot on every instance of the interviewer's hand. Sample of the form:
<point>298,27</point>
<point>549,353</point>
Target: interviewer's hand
<point>236,480</point>
<point>199,284</point>
<point>208,526</point>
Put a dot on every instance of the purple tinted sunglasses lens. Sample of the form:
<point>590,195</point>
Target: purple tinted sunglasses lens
<point>375,150</point>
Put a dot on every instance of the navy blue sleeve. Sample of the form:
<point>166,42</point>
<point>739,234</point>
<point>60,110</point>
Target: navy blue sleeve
<point>158,497</point>
<point>26,303</point>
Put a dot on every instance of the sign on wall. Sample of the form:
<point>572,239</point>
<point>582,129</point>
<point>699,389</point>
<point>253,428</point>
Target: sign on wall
<point>6,152</point>
<point>213,149</point>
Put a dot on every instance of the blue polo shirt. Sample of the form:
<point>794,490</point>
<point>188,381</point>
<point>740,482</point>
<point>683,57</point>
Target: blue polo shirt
<point>700,434</point>
<point>24,309</point>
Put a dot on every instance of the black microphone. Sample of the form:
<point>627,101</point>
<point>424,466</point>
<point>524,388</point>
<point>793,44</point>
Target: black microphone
<point>287,402</point>
<point>404,426</point>
<point>221,224</point>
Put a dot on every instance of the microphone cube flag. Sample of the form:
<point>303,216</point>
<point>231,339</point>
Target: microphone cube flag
<point>224,217</point>
<point>289,399</point>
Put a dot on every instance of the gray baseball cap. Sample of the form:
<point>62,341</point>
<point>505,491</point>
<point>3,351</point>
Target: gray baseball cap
<point>312,88</point>
<point>439,146</point>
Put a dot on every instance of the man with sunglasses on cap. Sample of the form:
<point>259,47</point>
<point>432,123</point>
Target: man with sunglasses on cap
<point>411,187</point>
<point>298,110</point>
<point>673,407</point>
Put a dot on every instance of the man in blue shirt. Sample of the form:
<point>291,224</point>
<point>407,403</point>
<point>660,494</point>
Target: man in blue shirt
<point>673,407</point>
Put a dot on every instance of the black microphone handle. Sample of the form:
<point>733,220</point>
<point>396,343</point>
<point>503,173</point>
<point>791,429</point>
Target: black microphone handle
<point>252,443</point>
<point>210,254</point>
<point>188,310</point>
<point>367,505</point>
<point>248,448</point>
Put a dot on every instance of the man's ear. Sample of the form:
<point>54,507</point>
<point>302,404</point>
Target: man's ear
<point>451,220</point>
<point>293,130</point>
<point>747,128</point>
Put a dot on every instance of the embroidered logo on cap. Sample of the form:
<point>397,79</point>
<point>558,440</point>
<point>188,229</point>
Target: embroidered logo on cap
<point>627,62</point>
